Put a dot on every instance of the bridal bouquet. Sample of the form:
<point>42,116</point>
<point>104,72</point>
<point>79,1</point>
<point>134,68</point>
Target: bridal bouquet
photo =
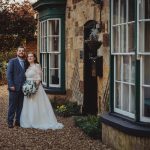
<point>29,88</point>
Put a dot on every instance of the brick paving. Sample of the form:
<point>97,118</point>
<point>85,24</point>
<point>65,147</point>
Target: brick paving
<point>68,138</point>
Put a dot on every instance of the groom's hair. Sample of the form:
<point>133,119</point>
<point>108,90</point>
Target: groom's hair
<point>21,47</point>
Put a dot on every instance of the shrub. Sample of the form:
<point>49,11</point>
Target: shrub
<point>3,66</point>
<point>4,58</point>
<point>91,125</point>
<point>73,108</point>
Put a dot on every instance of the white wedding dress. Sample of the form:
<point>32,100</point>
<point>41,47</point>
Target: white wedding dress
<point>37,111</point>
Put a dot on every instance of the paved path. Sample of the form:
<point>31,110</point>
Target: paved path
<point>69,138</point>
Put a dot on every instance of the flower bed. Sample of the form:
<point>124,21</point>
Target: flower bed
<point>66,108</point>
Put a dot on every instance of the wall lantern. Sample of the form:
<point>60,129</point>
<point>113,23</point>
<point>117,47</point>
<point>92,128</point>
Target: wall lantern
<point>93,45</point>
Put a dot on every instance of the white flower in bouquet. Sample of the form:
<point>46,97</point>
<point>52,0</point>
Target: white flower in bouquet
<point>29,88</point>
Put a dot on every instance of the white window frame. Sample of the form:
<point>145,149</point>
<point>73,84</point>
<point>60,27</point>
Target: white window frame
<point>43,52</point>
<point>121,54</point>
<point>140,56</point>
<point>142,85</point>
<point>45,62</point>
<point>55,52</point>
<point>130,84</point>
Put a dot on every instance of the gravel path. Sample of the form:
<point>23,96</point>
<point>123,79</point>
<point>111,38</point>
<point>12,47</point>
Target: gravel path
<point>69,138</point>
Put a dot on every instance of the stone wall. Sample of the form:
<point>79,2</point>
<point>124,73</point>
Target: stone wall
<point>78,12</point>
<point>121,141</point>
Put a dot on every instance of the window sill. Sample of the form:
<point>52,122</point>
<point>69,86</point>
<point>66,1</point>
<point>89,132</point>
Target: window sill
<point>126,126</point>
<point>54,91</point>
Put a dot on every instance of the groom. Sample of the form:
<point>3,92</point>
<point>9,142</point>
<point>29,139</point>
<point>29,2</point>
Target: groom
<point>16,77</point>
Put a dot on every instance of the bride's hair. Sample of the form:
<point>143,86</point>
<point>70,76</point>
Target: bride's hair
<point>35,61</point>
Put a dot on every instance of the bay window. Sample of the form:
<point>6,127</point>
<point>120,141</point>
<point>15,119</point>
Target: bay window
<point>130,43</point>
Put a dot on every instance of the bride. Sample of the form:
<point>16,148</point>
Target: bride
<point>37,111</point>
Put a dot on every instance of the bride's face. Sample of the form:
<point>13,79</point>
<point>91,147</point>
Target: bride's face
<point>31,58</point>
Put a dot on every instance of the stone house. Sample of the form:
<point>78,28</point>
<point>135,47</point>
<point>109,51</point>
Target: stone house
<point>68,71</point>
<point>91,74</point>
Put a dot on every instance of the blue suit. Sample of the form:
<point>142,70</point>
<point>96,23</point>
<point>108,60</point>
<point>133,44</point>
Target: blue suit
<point>16,78</point>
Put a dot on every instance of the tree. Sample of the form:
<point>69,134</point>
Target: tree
<point>17,24</point>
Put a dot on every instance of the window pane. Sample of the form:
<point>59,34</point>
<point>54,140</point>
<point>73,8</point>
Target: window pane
<point>144,38</point>
<point>147,36</point>
<point>43,38</point>
<point>146,71</point>
<point>123,38</point>
<point>144,9</point>
<point>132,69</point>
<point>45,44</point>
<point>131,7</point>
<point>132,100</point>
<point>41,41</point>
<point>118,95</point>
<point>122,11</point>
<point>146,100</point>
<point>44,68</point>
<point>131,37</point>
<point>147,9</point>
<point>53,43</point>
<point>126,97</point>
<point>45,28</point>
<point>54,61</point>
<point>126,68</point>
<point>118,68</point>
<point>40,37</point>
<point>54,76</point>
<point>115,39</point>
<point>53,27</point>
<point>115,12</point>
<point>42,29</point>
<point>141,36</point>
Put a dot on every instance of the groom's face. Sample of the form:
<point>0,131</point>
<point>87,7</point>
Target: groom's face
<point>20,52</point>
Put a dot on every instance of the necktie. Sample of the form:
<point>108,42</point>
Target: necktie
<point>22,63</point>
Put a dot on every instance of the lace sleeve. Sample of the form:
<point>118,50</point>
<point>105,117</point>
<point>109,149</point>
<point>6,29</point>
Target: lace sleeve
<point>38,75</point>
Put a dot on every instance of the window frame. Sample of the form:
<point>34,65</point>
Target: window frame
<point>46,64</point>
<point>142,85</point>
<point>43,53</point>
<point>140,56</point>
<point>121,54</point>
<point>58,53</point>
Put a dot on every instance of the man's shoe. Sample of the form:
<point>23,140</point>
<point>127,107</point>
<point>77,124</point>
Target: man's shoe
<point>17,124</point>
<point>10,126</point>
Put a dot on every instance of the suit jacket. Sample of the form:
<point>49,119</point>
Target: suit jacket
<point>15,74</point>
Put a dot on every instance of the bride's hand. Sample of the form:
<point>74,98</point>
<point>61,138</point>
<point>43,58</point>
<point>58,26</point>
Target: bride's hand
<point>38,83</point>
